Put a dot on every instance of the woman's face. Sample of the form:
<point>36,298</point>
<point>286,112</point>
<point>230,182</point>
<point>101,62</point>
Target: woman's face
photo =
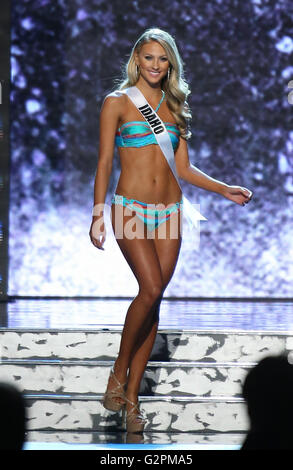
<point>153,62</point>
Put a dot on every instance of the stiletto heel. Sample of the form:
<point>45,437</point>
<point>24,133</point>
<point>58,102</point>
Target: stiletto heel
<point>134,422</point>
<point>109,401</point>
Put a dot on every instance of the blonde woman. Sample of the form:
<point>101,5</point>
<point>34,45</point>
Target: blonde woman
<point>155,68</point>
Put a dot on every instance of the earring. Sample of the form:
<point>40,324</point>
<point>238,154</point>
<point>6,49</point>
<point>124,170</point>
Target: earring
<point>169,73</point>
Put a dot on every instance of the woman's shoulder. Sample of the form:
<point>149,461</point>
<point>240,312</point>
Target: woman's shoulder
<point>114,102</point>
<point>116,95</point>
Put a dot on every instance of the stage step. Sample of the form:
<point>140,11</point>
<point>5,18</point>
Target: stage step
<point>192,383</point>
<point>170,345</point>
<point>41,439</point>
<point>160,379</point>
<point>164,414</point>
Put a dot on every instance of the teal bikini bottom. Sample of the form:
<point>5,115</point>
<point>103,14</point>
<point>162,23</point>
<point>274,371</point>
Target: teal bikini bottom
<point>150,216</point>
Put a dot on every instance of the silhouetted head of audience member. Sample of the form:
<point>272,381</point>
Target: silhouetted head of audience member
<point>268,392</point>
<point>12,418</point>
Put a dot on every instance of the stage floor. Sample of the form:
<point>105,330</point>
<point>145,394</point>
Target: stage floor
<point>271,315</point>
<point>126,447</point>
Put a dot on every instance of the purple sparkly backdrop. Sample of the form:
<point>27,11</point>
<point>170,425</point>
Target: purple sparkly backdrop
<point>65,56</point>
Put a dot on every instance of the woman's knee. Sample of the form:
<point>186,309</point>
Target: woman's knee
<point>152,293</point>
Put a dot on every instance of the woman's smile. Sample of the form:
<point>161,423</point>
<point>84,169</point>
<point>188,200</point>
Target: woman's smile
<point>153,73</point>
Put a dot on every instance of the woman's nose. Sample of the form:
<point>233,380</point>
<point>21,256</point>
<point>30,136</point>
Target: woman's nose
<point>156,63</point>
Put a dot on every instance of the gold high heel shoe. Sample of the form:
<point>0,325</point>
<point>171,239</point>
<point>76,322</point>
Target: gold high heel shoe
<point>109,401</point>
<point>134,422</point>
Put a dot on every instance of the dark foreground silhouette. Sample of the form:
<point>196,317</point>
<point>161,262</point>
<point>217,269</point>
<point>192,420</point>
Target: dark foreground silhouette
<point>12,418</point>
<point>268,392</point>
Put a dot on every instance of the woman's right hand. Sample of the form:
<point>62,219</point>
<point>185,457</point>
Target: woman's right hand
<point>97,232</point>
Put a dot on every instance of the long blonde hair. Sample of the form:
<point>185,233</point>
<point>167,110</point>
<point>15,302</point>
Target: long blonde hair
<point>174,86</point>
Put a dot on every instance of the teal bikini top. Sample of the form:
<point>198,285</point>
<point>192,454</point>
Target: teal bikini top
<point>139,133</point>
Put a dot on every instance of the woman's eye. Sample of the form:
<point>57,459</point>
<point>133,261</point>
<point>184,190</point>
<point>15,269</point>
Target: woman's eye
<point>162,58</point>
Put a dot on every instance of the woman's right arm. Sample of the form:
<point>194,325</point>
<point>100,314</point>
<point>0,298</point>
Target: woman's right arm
<point>109,118</point>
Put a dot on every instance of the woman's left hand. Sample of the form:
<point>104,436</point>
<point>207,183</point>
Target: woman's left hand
<point>237,194</point>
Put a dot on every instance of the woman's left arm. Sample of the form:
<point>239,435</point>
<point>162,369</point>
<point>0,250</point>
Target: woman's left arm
<point>193,175</point>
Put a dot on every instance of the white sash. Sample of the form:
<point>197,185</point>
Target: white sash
<point>161,134</point>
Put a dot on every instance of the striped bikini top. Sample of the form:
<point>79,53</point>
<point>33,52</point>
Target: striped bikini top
<point>139,133</point>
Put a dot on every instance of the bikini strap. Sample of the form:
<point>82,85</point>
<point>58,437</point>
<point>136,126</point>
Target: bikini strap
<point>162,99</point>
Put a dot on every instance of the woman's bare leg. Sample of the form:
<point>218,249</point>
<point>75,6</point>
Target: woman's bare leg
<point>153,262</point>
<point>167,251</point>
<point>141,256</point>
<point>146,268</point>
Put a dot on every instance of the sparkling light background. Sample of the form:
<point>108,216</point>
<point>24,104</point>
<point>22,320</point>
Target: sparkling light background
<point>65,56</point>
